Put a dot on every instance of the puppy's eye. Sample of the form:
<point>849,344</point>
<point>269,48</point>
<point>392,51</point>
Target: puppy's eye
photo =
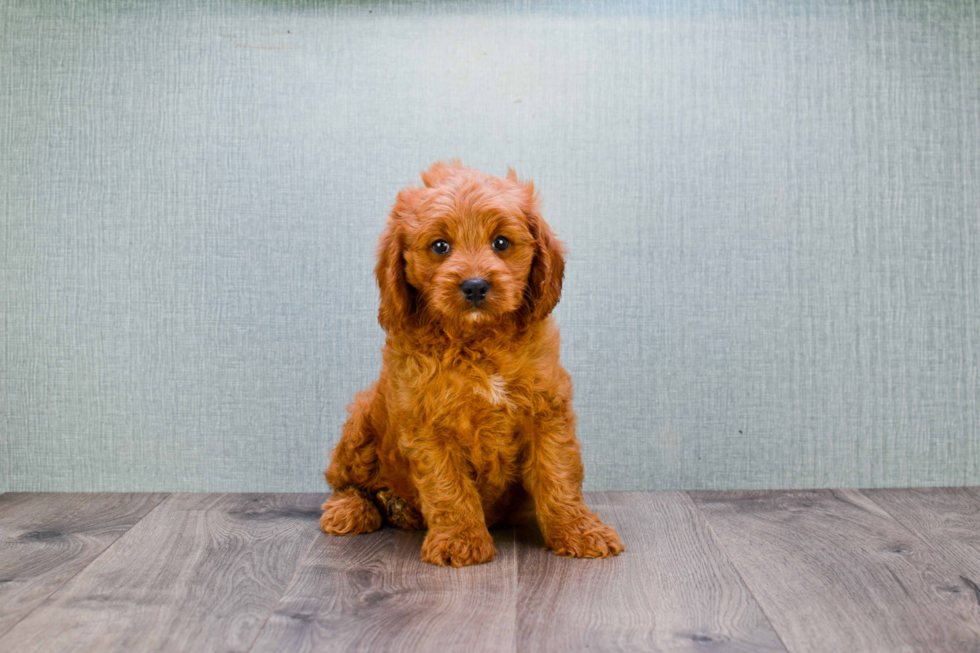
<point>440,247</point>
<point>500,243</point>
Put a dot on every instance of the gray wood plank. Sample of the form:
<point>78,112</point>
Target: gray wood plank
<point>373,593</point>
<point>47,538</point>
<point>835,572</point>
<point>199,573</point>
<point>948,521</point>
<point>671,590</point>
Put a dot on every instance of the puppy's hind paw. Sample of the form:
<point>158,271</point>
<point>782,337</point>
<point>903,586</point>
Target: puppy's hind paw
<point>458,547</point>
<point>349,512</point>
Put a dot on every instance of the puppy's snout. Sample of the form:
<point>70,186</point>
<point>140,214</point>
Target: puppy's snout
<point>475,290</point>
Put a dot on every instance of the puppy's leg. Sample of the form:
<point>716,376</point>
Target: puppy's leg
<point>553,476</point>
<point>451,507</point>
<point>353,469</point>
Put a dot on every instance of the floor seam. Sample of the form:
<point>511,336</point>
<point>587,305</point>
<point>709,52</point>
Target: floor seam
<point>47,598</point>
<point>927,544</point>
<point>738,572</point>
<point>285,589</point>
<point>517,586</point>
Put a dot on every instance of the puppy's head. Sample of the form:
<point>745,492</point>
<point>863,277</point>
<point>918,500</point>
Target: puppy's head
<point>467,249</point>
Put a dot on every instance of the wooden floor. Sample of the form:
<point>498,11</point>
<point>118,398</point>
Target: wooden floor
<point>841,571</point>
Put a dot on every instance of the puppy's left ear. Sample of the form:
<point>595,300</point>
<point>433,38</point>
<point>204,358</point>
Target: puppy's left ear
<point>548,267</point>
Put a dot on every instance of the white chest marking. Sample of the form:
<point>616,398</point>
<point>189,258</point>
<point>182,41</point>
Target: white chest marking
<point>496,391</point>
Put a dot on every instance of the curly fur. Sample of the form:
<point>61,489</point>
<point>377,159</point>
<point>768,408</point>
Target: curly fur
<point>471,421</point>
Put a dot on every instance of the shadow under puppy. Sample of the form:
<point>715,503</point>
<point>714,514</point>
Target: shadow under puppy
<point>471,421</point>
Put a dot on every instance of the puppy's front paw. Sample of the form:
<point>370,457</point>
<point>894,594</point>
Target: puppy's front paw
<point>458,547</point>
<point>586,537</point>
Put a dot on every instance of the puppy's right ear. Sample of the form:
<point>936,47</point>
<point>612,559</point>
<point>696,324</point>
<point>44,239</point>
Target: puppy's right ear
<point>398,298</point>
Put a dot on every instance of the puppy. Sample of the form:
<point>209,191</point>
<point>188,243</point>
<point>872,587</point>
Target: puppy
<point>471,422</point>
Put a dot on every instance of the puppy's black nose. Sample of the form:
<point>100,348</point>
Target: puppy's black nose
<point>474,290</point>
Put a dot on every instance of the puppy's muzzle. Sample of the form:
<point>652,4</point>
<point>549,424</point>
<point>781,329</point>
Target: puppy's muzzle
<point>475,290</point>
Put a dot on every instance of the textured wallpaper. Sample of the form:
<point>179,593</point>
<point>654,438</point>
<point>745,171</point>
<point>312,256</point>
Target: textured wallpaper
<point>772,210</point>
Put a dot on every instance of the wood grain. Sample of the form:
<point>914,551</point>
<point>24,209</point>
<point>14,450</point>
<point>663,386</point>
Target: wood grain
<point>671,590</point>
<point>885,570</point>
<point>948,521</point>
<point>199,573</point>
<point>373,593</point>
<point>835,572</point>
<point>47,538</point>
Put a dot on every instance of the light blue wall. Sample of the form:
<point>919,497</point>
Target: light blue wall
<point>772,208</point>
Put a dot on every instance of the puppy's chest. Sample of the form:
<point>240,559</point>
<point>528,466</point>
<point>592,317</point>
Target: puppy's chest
<point>485,390</point>
<point>474,392</point>
<point>483,416</point>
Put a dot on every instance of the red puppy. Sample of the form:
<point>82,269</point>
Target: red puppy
<point>471,422</point>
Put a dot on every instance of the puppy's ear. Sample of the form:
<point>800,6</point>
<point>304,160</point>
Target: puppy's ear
<point>397,296</point>
<point>548,267</point>
<point>439,172</point>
